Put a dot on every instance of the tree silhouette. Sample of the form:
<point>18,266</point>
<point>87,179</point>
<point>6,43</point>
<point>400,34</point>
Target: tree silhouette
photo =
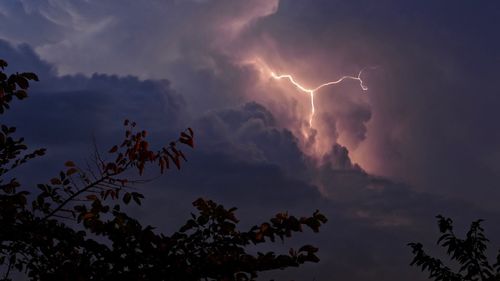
<point>469,253</point>
<point>74,228</point>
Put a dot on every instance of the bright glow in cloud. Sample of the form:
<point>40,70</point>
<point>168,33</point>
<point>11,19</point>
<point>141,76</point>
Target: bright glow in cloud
<point>311,92</point>
<point>317,129</point>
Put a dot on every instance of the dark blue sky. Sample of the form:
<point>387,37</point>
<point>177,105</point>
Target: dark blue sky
<point>422,140</point>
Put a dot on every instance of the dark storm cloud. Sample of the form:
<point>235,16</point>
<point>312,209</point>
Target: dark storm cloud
<point>67,113</point>
<point>250,133</point>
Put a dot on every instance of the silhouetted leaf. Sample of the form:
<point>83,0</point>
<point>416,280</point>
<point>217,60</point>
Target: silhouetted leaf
<point>127,197</point>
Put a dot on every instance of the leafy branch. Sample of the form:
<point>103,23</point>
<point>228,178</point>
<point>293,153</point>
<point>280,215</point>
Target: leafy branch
<point>468,252</point>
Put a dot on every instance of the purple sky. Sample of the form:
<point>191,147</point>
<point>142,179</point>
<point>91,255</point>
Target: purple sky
<point>421,141</point>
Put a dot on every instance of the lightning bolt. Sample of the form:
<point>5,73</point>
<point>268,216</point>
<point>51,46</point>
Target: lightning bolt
<point>312,92</point>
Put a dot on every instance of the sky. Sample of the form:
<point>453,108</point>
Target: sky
<point>381,163</point>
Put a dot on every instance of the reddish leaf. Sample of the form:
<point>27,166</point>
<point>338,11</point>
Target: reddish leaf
<point>22,82</point>
<point>188,141</point>
<point>71,171</point>
<point>55,181</point>
<point>21,94</point>
<point>88,216</point>
<point>30,76</point>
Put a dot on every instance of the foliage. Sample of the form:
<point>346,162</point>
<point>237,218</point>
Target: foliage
<point>74,228</point>
<point>469,253</point>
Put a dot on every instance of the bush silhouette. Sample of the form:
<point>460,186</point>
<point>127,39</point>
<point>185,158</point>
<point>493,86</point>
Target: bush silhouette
<point>469,253</point>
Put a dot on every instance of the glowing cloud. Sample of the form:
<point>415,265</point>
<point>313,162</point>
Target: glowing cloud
<point>311,92</point>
